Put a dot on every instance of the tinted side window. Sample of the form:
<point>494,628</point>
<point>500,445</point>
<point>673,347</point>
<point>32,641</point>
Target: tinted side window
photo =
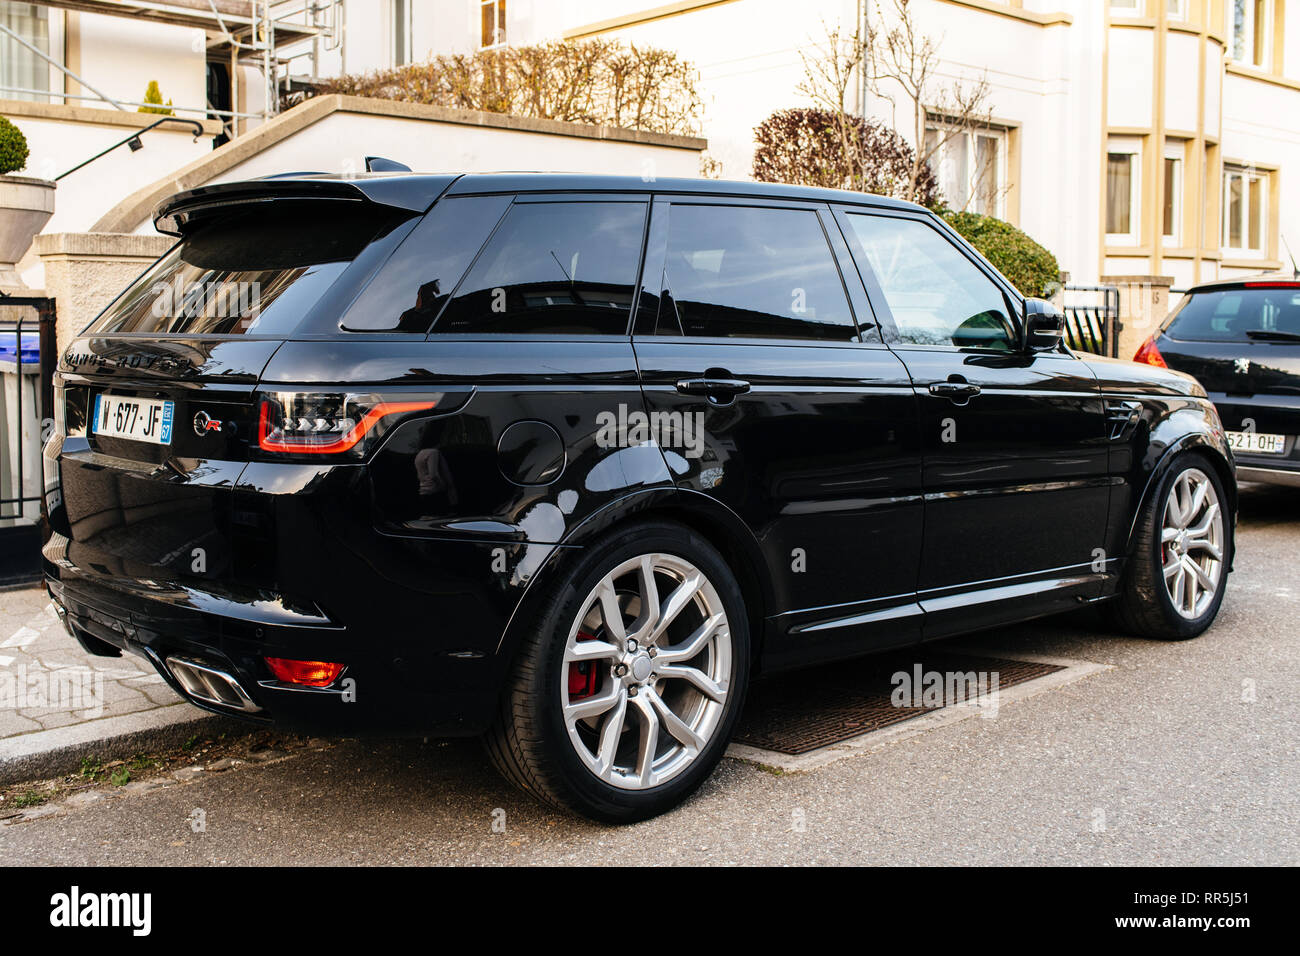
<point>936,294</point>
<point>753,272</point>
<point>414,285</point>
<point>553,267</point>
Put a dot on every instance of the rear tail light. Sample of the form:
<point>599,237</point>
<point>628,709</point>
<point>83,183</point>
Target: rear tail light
<point>304,673</point>
<point>1148,354</point>
<point>331,423</point>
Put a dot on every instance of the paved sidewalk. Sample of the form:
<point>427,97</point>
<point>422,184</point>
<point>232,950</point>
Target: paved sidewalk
<point>58,703</point>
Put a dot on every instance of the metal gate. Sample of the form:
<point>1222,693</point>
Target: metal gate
<point>1092,318</point>
<point>27,361</point>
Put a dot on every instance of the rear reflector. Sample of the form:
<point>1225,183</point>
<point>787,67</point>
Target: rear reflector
<point>1148,354</point>
<point>304,673</point>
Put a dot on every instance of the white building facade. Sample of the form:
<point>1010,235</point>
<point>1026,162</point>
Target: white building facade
<point>1131,137</point>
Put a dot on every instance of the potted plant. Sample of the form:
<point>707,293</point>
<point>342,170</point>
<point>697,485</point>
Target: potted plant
<point>26,204</point>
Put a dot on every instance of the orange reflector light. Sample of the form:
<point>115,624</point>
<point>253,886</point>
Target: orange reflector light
<point>306,673</point>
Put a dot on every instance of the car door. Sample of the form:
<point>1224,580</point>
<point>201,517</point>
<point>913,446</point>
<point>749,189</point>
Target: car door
<point>806,430</point>
<point>1014,442</point>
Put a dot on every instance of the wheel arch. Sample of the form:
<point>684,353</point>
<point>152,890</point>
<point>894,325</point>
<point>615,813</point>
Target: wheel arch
<point>719,525</point>
<point>1217,455</point>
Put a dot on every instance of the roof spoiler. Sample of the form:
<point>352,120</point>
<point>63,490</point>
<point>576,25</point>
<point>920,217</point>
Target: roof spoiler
<point>413,194</point>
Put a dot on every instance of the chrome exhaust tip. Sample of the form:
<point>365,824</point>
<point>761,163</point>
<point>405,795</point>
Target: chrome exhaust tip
<point>210,684</point>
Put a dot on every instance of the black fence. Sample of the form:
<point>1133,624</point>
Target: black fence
<point>1092,318</point>
<point>27,360</point>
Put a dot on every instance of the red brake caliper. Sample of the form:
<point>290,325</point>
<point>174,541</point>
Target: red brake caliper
<point>583,675</point>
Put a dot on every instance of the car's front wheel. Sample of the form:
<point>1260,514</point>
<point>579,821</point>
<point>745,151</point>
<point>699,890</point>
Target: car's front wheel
<point>1178,571</point>
<point>625,692</point>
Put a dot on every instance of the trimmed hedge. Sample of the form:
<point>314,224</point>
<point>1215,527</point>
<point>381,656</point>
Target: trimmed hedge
<point>1031,268</point>
<point>13,147</point>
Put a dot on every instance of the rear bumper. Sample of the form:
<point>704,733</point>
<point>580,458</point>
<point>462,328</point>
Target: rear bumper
<point>378,692</point>
<point>1269,476</point>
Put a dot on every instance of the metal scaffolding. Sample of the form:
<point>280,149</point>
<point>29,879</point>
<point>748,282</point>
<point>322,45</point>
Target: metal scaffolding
<point>267,35</point>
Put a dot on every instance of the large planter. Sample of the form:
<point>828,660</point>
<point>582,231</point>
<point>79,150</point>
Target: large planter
<point>26,205</point>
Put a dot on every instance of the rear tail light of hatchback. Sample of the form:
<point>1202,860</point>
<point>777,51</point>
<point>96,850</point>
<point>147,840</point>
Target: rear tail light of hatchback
<point>1148,354</point>
<point>332,423</point>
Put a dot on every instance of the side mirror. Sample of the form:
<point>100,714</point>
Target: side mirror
<point>1044,325</point>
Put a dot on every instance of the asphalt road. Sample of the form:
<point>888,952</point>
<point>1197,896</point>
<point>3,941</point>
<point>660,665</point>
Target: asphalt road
<point>1180,754</point>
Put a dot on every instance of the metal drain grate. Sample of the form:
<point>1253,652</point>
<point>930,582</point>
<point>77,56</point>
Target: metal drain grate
<point>800,712</point>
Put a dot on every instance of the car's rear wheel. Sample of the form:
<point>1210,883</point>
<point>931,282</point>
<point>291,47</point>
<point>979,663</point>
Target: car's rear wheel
<point>1178,571</point>
<point>625,692</point>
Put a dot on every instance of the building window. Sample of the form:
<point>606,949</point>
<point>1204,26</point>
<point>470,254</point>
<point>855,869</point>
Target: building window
<point>1123,184</point>
<point>401,32</point>
<point>1245,209</point>
<point>971,166</point>
<point>1176,9</point>
<point>1127,8</point>
<point>494,23</point>
<point>1172,225</point>
<point>1249,23</point>
<point>23,74</point>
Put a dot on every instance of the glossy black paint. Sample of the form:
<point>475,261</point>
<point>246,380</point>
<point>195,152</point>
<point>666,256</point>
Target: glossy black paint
<point>1255,385</point>
<point>818,469</point>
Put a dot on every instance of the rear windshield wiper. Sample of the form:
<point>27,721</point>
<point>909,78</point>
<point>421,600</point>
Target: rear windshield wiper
<point>1273,335</point>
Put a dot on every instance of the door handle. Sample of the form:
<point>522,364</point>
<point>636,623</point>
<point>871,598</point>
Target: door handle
<point>718,389</point>
<point>958,392</point>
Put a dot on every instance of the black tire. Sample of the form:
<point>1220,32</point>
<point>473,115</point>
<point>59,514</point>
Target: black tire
<point>529,742</point>
<point>1144,606</point>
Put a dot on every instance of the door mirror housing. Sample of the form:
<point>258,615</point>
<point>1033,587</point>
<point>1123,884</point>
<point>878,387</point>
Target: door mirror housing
<point>1044,325</point>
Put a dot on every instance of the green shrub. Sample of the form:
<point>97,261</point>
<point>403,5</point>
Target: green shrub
<point>1030,268</point>
<point>154,95</point>
<point>13,147</point>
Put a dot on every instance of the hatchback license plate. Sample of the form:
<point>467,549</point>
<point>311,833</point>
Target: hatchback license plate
<point>140,419</point>
<point>1259,442</point>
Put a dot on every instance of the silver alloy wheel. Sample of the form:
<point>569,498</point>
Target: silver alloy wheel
<point>1191,543</point>
<point>651,649</point>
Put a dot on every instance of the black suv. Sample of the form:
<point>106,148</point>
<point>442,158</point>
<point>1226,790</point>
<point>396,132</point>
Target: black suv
<point>564,460</point>
<point>1240,338</point>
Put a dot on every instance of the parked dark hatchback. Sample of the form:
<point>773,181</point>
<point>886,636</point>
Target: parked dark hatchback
<point>564,460</point>
<point>1240,338</point>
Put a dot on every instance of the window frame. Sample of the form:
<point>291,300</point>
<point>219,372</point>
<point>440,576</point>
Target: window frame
<point>1002,135</point>
<point>657,249</point>
<point>1133,148</point>
<point>1175,151</point>
<point>400,20</point>
<point>1247,174</point>
<point>1114,8</point>
<point>499,18</point>
<point>876,294</point>
<point>1254,36</point>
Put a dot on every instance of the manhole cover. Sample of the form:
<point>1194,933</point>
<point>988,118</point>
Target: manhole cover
<point>795,713</point>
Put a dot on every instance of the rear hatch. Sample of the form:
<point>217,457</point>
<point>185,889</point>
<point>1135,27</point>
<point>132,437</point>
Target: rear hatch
<point>159,394</point>
<point>1242,342</point>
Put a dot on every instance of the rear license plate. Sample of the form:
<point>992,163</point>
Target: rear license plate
<point>1257,442</point>
<point>140,419</point>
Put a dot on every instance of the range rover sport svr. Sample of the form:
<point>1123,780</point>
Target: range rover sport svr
<point>566,460</point>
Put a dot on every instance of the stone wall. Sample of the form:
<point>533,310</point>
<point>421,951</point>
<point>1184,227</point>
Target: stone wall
<point>85,271</point>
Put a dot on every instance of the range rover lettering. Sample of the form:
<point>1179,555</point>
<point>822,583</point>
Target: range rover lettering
<point>565,461</point>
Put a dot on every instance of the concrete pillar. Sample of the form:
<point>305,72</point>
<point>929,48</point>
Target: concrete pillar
<point>85,271</point>
<point>1143,305</point>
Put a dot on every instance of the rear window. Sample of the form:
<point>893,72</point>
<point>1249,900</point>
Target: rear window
<point>253,273</point>
<point>1230,315</point>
